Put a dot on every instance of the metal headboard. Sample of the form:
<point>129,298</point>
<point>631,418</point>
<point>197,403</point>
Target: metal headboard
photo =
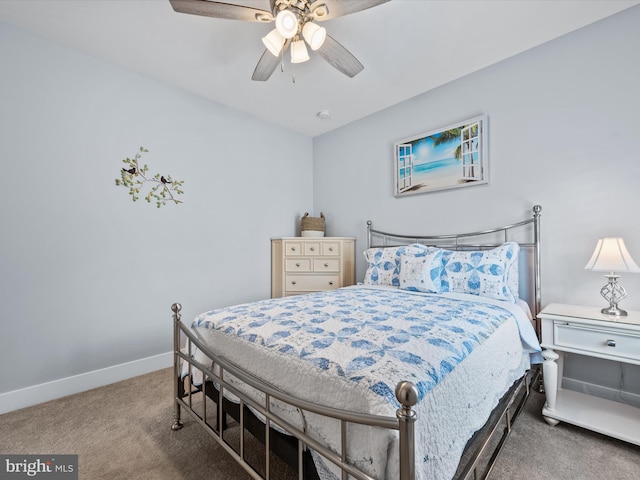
<point>526,233</point>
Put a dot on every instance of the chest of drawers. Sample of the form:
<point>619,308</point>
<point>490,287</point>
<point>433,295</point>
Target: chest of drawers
<point>311,264</point>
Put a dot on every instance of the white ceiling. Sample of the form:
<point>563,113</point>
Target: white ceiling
<point>406,46</point>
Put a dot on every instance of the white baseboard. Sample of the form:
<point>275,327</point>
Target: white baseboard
<point>600,391</point>
<point>26,397</point>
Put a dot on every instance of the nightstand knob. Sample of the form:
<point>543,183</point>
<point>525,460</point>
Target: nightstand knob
<point>297,264</point>
<point>330,283</point>
<point>326,265</point>
<point>312,249</point>
<point>611,343</point>
<point>293,282</point>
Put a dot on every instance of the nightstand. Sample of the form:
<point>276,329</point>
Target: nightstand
<point>586,331</point>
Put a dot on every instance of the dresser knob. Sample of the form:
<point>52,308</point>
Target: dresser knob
<point>611,343</point>
<point>331,249</point>
<point>312,249</point>
<point>297,264</point>
<point>326,265</point>
<point>293,282</point>
<point>330,283</point>
<point>293,249</point>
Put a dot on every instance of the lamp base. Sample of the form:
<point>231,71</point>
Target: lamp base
<point>613,293</point>
<point>614,311</point>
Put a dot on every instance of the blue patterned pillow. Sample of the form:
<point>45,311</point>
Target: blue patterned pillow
<point>384,263</point>
<point>482,272</point>
<point>421,273</point>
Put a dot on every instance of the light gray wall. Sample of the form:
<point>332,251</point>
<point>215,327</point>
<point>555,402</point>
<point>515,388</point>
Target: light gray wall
<point>88,276</point>
<point>564,129</point>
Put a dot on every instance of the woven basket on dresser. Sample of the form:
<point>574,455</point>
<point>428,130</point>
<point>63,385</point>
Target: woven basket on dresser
<point>312,226</point>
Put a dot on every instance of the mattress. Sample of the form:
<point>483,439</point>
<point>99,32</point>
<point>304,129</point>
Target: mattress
<point>348,348</point>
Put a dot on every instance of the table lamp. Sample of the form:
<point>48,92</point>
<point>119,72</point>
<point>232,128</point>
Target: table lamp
<point>611,256</point>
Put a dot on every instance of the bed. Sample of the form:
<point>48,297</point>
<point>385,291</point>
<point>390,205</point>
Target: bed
<point>407,375</point>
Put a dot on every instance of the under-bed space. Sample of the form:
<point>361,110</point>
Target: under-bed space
<point>395,378</point>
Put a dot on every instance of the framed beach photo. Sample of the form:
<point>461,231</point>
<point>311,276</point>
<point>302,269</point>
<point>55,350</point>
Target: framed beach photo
<point>450,157</point>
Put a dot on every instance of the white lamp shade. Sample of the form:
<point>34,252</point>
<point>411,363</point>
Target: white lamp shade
<point>287,23</point>
<point>314,35</point>
<point>299,52</point>
<point>611,255</point>
<point>274,42</point>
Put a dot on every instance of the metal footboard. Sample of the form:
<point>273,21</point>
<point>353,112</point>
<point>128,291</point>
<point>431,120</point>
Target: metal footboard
<point>406,393</point>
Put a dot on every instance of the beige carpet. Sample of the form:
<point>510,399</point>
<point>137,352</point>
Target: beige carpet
<point>122,431</point>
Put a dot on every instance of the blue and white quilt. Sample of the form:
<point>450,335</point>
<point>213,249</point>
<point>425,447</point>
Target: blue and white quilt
<point>350,347</point>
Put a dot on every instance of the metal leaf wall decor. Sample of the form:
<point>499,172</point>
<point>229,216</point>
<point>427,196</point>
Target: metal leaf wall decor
<point>164,189</point>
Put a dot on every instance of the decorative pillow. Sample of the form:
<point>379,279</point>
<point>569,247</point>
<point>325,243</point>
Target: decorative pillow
<point>384,263</point>
<point>421,273</point>
<point>481,272</point>
<point>513,278</point>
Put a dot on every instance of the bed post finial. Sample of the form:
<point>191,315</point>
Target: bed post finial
<point>408,395</point>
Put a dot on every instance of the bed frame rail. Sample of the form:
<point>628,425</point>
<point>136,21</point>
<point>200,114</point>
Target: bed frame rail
<point>406,393</point>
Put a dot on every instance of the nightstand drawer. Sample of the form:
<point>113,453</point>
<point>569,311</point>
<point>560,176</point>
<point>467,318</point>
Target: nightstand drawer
<point>615,343</point>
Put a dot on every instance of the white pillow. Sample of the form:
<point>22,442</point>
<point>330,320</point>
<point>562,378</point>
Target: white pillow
<point>421,273</point>
<point>482,272</point>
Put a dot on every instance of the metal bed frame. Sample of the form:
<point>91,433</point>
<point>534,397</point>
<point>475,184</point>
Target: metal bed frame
<point>257,416</point>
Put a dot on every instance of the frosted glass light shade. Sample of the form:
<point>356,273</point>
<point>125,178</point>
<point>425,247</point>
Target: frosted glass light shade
<point>287,23</point>
<point>611,255</point>
<point>274,42</point>
<point>314,35</point>
<point>299,52</point>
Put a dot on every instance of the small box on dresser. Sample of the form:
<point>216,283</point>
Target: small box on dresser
<point>311,264</point>
<point>587,331</point>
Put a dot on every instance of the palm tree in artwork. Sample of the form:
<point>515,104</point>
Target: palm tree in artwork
<point>455,134</point>
<point>450,136</point>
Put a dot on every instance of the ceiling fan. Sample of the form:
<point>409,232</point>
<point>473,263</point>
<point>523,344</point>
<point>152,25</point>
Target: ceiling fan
<point>294,24</point>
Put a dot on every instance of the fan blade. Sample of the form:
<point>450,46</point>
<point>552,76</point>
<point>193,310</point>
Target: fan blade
<point>228,11</point>
<point>266,66</point>
<point>338,8</point>
<point>339,57</point>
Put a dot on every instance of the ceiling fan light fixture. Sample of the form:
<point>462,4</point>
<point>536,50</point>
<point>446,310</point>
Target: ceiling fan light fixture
<point>287,23</point>
<point>274,42</point>
<point>314,35</point>
<point>299,52</point>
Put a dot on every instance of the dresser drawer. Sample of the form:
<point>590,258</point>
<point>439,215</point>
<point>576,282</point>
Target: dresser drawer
<point>311,283</point>
<point>312,248</point>
<point>331,248</point>
<point>614,343</point>
<point>297,265</point>
<point>326,265</point>
<point>292,248</point>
